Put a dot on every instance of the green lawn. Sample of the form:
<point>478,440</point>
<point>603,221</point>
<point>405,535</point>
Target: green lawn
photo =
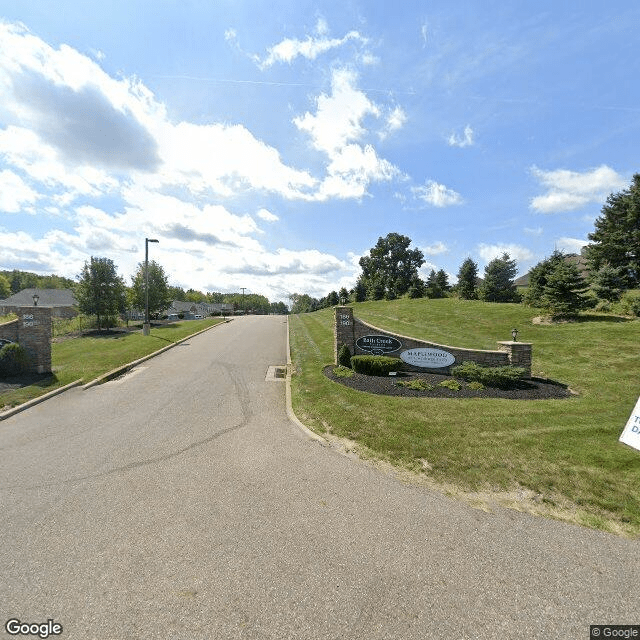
<point>559,457</point>
<point>86,358</point>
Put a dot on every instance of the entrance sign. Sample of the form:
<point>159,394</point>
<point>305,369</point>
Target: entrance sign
<point>428,358</point>
<point>631,433</point>
<point>378,345</point>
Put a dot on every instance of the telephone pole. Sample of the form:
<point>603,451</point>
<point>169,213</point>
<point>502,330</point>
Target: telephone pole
<point>244,311</point>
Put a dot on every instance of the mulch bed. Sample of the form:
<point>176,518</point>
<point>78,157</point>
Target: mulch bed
<point>533,389</point>
<point>24,380</point>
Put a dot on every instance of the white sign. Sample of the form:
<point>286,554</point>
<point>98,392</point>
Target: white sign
<point>428,358</point>
<point>631,433</point>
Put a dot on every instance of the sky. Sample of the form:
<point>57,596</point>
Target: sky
<point>268,145</point>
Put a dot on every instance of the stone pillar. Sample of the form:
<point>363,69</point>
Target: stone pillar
<point>343,330</point>
<point>519,354</point>
<point>34,334</point>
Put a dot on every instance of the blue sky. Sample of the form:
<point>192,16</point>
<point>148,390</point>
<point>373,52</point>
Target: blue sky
<point>269,145</point>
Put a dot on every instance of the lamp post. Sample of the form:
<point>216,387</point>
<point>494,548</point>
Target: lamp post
<point>146,327</point>
<point>36,297</point>
<point>514,334</point>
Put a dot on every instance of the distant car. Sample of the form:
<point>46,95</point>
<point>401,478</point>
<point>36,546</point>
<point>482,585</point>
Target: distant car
<point>4,341</point>
<point>198,317</point>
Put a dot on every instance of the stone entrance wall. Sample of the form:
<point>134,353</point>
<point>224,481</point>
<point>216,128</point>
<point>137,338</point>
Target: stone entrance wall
<point>347,330</point>
<point>32,330</point>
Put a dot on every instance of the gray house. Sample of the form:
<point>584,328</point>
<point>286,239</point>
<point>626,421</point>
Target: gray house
<point>62,302</point>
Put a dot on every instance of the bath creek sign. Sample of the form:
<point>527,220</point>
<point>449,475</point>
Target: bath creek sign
<point>428,358</point>
<point>378,345</point>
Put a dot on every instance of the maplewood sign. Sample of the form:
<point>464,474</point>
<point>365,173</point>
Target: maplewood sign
<point>417,355</point>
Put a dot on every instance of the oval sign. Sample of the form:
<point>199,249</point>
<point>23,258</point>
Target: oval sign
<point>378,345</point>
<point>428,358</point>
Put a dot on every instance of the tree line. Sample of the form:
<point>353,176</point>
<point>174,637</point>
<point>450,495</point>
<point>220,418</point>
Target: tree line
<point>556,285</point>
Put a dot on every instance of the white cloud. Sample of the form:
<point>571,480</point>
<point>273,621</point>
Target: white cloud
<point>310,48</point>
<point>437,195</point>
<point>570,190</point>
<point>336,129</point>
<point>14,192</point>
<point>516,252</point>
<point>267,216</point>
<point>570,245</point>
<point>396,119</point>
<point>534,232</point>
<point>464,140</point>
<point>435,249</point>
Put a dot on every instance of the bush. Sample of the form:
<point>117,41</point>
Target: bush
<point>501,377</point>
<point>13,360</point>
<point>450,383</point>
<point>417,384</point>
<point>343,372</point>
<point>344,356</point>
<point>375,365</point>
<point>630,303</point>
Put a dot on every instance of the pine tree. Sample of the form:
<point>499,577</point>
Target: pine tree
<point>499,284</point>
<point>616,239</point>
<point>467,277</point>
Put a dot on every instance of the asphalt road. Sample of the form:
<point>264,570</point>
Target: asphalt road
<point>179,502</point>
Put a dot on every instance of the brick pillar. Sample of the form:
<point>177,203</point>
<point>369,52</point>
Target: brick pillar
<point>34,334</point>
<point>519,354</point>
<point>343,330</point>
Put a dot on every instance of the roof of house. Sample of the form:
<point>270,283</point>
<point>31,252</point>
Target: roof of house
<point>46,298</point>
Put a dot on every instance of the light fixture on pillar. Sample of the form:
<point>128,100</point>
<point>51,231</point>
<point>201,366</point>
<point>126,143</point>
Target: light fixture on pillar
<point>146,326</point>
<point>514,334</point>
<point>36,297</point>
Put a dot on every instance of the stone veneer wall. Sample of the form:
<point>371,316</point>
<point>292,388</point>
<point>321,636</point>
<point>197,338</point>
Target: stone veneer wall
<point>32,330</point>
<point>347,330</point>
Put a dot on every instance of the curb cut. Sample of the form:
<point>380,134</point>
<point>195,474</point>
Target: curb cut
<point>291,415</point>
<point>38,400</point>
<point>110,375</point>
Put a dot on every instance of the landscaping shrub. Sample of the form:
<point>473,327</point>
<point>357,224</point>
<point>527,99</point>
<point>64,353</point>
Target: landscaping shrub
<point>417,384</point>
<point>344,356</point>
<point>450,383</point>
<point>343,372</point>
<point>630,303</point>
<point>501,377</point>
<point>13,360</point>
<point>375,365</point>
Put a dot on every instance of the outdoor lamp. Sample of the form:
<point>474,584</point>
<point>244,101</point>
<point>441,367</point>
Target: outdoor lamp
<point>514,333</point>
<point>145,329</point>
<point>36,297</point>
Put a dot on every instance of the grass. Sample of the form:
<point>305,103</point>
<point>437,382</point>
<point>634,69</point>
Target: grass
<point>562,455</point>
<point>88,357</point>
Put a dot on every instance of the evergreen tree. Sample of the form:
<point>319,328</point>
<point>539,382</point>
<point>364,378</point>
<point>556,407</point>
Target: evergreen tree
<point>499,284</point>
<point>332,299</point>
<point>360,291</point>
<point>608,283</point>
<point>467,277</point>
<point>100,290</point>
<point>564,290</point>
<point>539,276</point>
<point>616,239</point>
<point>417,289</point>
<point>442,281</point>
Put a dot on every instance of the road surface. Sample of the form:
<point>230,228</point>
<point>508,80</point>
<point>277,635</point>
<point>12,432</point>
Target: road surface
<point>179,502</point>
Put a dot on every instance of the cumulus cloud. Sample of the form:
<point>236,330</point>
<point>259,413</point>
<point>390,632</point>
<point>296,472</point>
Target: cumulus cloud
<point>570,245</point>
<point>437,195</point>
<point>336,129</point>
<point>14,192</point>
<point>435,249</point>
<point>571,190</point>
<point>462,141</point>
<point>267,216</point>
<point>516,252</point>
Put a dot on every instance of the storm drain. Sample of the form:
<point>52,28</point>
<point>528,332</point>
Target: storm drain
<point>276,372</point>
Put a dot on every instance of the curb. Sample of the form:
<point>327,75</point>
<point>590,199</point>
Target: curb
<point>291,415</point>
<point>103,378</point>
<point>110,375</point>
<point>38,400</point>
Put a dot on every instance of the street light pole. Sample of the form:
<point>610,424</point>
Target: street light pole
<point>146,327</point>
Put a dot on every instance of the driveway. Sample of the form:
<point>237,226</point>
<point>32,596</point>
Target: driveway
<point>179,502</point>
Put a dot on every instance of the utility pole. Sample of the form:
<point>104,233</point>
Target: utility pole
<point>146,327</point>
<point>244,311</point>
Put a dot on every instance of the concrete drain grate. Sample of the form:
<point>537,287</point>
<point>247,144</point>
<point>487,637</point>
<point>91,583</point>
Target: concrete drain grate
<point>276,372</point>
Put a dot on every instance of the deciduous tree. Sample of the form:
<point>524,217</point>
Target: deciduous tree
<point>100,290</point>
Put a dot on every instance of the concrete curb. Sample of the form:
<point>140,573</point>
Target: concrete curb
<point>38,400</point>
<point>103,378</point>
<point>291,415</point>
<point>110,375</point>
